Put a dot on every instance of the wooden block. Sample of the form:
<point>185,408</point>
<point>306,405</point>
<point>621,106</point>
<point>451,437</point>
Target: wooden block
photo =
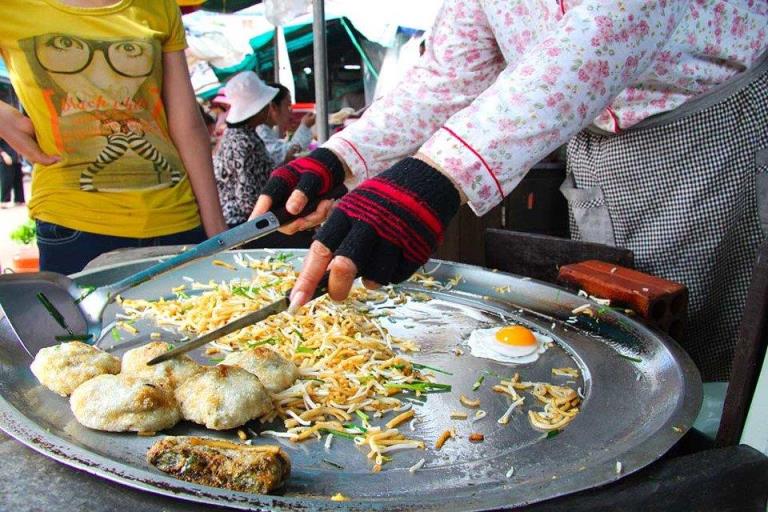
<point>659,302</point>
<point>541,256</point>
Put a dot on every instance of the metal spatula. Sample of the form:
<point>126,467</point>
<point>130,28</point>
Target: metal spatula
<point>74,313</point>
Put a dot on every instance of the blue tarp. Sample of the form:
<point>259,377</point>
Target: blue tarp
<point>3,72</point>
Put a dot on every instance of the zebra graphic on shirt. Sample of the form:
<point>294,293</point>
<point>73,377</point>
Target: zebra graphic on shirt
<point>122,136</point>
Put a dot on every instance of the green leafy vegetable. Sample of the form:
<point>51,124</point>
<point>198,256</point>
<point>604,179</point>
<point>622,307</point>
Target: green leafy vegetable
<point>282,257</point>
<point>421,386</point>
<point>478,383</point>
<point>74,337</point>
<point>48,305</point>
<point>304,350</point>
<point>424,366</point>
<point>339,433</point>
<point>87,290</point>
<point>116,334</point>
<point>25,234</point>
<point>269,341</point>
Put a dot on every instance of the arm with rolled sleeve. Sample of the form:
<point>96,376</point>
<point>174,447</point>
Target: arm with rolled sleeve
<point>557,87</point>
<point>461,61</point>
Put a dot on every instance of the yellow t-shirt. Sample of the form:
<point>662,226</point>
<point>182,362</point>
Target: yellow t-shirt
<point>91,79</point>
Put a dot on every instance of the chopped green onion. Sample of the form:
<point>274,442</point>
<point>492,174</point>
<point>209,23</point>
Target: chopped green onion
<point>385,458</point>
<point>552,433</point>
<point>116,334</point>
<point>282,257</point>
<point>398,366</point>
<point>171,346</point>
<point>478,383</point>
<point>424,366</point>
<point>334,464</point>
<point>53,311</point>
<point>362,415</point>
<point>421,386</point>
<point>87,290</point>
<point>316,380</point>
<point>352,426</point>
<point>242,291</point>
<point>304,350</point>
<point>74,337</point>
<point>182,295</point>
<point>216,359</point>
<point>339,433</point>
<point>297,333</point>
<point>268,341</point>
<point>633,359</point>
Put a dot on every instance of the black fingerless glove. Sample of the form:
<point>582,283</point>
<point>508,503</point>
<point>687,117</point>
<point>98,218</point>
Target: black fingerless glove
<point>391,224</point>
<point>315,175</point>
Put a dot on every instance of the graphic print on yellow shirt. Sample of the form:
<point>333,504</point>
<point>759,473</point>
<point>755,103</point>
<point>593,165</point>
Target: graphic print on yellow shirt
<point>100,103</point>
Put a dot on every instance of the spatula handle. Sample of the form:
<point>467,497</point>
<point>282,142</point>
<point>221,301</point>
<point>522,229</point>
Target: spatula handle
<point>239,235</point>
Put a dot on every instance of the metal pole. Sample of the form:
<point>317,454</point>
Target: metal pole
<point>275,49</point>
<point>321,69</point>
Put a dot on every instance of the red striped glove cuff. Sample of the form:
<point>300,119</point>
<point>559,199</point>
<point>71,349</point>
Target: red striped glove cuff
<point>391,224</point>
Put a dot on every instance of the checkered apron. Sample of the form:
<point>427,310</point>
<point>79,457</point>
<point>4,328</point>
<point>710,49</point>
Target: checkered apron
<point>687,191</point>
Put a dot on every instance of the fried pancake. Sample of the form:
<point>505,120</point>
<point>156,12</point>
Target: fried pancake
<point>223,397</point>
<point>63,367</point>
<point>175,371</point>
<point>121,403</point>
<point>274,371</point>
<point>219,463</point>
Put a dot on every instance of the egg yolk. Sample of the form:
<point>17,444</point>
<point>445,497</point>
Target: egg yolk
<point>515,335</point>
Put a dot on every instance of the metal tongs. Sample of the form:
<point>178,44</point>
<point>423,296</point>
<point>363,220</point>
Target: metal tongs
<point>41,305</point>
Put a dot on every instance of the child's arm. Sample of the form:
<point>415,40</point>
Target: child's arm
<point>190,136</point>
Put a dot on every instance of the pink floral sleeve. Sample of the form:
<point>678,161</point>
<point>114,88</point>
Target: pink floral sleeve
<point>560,83</point>
<point>462,60</point>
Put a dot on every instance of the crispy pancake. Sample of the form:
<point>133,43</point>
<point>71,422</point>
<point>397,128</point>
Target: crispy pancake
<point>63,367</point>
<point>120,403</point>
<point>274,371</point>
<point>219,463</point>
<point>175,371</point>
<point>223,397</point>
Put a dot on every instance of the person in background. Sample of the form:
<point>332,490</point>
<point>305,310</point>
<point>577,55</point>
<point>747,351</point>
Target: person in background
<point>210,125</point>
<point>10,176</point>
<point>242,164</point>
<point>280,149</point>
<point>219,108</point>
<point>120,151</point>
<point>665,105</point>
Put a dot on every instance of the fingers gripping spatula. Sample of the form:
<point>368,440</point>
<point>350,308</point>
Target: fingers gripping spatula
<point>44,307</point>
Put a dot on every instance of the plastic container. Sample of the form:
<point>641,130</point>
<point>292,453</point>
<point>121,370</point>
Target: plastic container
<point>26,259</point>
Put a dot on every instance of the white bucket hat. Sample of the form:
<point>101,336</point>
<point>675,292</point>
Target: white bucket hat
<point>247,95</point>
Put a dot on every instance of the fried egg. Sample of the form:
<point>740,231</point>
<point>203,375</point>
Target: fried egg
<point>508,344</point>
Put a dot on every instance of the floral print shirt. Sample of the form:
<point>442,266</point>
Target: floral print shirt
<point>505,82</point>
<point>241,167</point>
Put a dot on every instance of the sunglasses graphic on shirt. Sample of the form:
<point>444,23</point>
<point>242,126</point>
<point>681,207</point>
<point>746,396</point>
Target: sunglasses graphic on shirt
<point>62,53</point>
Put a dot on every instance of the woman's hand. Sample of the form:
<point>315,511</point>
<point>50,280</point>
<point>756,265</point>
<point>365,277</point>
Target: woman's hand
<point>383,230</point>
<point>17,130</point>
<point>293,185</point>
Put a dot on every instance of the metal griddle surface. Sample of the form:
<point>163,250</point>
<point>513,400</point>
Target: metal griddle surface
<point>634,410</point>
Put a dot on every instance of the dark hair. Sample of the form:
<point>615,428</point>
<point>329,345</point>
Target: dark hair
<point>207,117</point>
<point>282,92</point>
<point>238,124</point>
